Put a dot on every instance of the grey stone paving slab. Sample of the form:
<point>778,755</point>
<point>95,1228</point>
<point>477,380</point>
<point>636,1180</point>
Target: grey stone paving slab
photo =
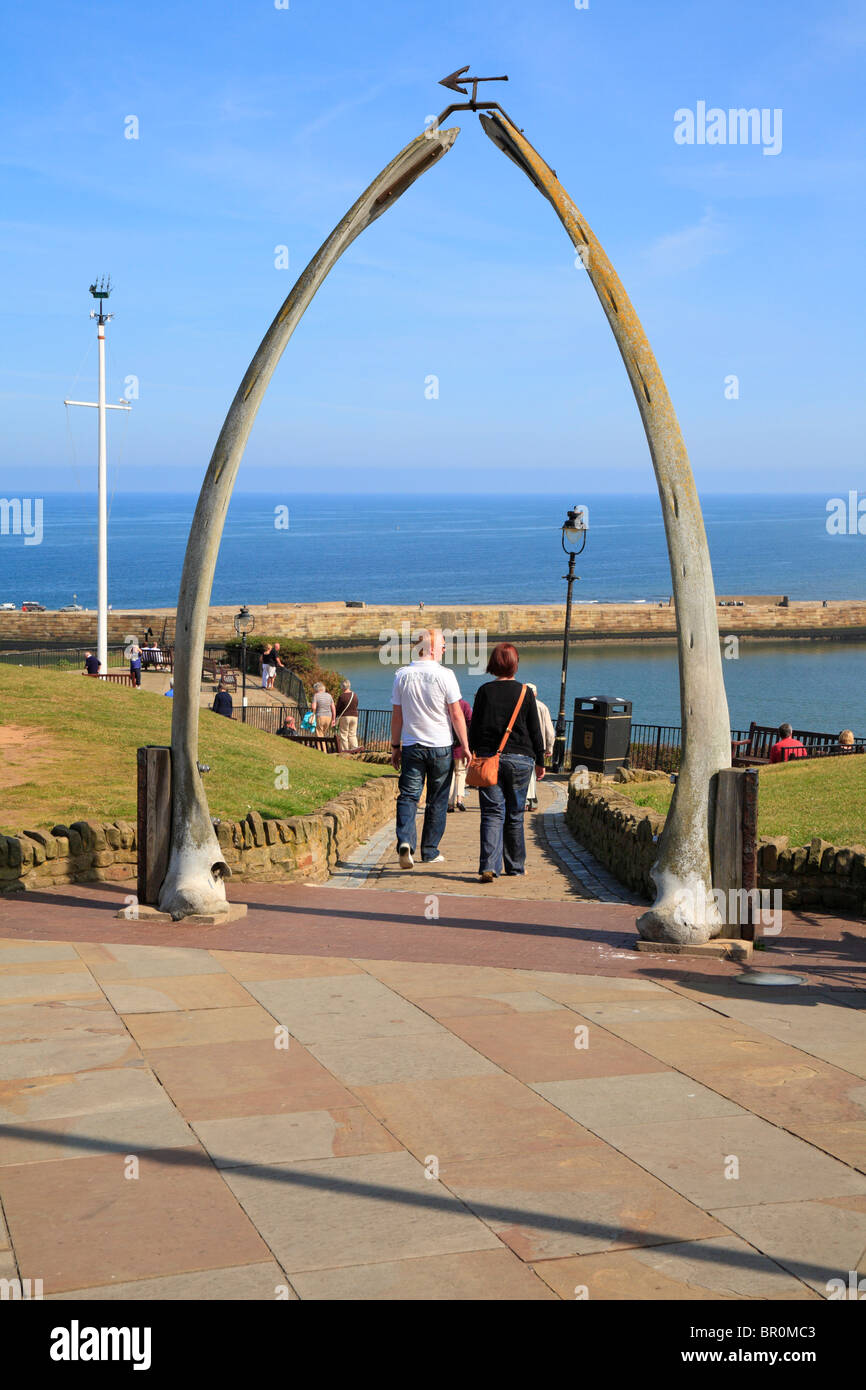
<point>264,1282</point>
<point>84,1093</point>
<point>657,1008</point>
<point>607,1103</point>
<point>340,1006</point>
<point>128,1129</point>
<point>486,1275</point>
<point>351,1211</point>
<point>366,1061</point>
<point>301,1134</point>
<point>721,1267</point>
<point>13,951</point>
<point>75,1052</point>
<point>817,1241</point>
<point>33,1022</point>
<point>693,1156</point>
<point>74,984</point>
<point>129,962</point>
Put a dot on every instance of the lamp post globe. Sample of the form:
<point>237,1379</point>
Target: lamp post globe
<point>573,539</point>
<point>244,623</point>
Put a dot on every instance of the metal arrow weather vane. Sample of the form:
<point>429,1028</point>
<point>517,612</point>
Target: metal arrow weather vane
<point>453,81</point>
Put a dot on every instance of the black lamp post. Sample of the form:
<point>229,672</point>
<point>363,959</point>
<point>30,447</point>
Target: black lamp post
<point>573,540</point>
<point>244,623</point>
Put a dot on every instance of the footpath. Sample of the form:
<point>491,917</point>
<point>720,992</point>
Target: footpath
<point>355,1092</point>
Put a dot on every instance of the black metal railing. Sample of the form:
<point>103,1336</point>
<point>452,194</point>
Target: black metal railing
<point>45,658</point>
<point>655,747</point>
<point>291,686</point>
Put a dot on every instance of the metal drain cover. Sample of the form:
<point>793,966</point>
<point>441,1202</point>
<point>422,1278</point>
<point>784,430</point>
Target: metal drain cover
<point>770,977</point>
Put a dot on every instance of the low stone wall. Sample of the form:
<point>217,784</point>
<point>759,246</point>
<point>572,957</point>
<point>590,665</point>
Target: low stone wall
<point>297,848</point>
<point>86,850</point>
<point>623,837</point>
<point>306,847</point>
<point>815,875</point>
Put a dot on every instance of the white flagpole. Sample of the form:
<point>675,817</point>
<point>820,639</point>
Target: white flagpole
<point>100,291</point>
<point>102,560</point>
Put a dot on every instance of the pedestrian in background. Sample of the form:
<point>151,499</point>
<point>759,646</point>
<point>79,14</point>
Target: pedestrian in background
<point>548,734</point>
<point>91,664</point>
<point>324,709</point>
<point>134,651</point>
<point>457,793</point>
<point>347,718</point>
<point>276,661</point>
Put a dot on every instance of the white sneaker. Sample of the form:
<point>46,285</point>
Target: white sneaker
<point>406,860</point>
<point>440,859</point>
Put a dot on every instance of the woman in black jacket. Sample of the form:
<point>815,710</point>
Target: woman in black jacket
<point>502,806</point>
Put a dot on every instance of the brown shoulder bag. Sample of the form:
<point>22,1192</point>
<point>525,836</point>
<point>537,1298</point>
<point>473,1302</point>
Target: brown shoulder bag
<point>484,772</point>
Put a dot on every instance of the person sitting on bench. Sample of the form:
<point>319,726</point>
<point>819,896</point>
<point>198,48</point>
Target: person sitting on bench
<point>787,747</point>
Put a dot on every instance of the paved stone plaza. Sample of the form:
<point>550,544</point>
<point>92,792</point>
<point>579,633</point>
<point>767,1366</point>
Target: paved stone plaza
<point>340,1097</point>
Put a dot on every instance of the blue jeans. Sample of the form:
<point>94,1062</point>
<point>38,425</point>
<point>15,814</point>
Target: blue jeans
<point>417,764</point>
<point>502,810</point>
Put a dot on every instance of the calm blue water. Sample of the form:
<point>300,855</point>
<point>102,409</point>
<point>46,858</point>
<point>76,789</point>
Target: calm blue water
<point>445,550</point>
<point>483,549</point>
<point>820,685</point>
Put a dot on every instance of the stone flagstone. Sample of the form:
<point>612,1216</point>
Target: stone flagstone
<point>352,1211</point>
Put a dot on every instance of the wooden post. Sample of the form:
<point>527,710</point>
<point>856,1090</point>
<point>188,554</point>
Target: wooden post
<point>750,848</point>
<point>154,820</point>
<point>728,847</point>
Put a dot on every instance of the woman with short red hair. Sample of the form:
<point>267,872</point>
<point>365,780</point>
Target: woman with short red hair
<point>503,805</point>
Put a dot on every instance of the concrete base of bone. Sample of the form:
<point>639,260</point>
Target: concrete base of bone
<point>724,948</point>
<point>232,913</point>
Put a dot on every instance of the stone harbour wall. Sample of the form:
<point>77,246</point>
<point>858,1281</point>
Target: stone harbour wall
<point>294,849</point>
<point>333,625</point>
<point>623,836</point>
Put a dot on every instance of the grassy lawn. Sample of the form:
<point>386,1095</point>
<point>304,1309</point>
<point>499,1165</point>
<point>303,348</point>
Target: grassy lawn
<point>68,752</point>
<point>826,797</point>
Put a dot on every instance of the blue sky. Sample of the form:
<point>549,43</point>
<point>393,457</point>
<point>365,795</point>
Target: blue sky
<point>259,126</point>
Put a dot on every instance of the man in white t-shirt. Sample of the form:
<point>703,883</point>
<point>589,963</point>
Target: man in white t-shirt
<point>426,720</point>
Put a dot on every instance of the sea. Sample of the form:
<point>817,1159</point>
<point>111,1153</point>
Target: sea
<point>504,549</point>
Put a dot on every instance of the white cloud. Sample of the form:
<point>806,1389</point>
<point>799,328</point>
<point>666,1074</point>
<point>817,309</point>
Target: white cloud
<point>687,248</point>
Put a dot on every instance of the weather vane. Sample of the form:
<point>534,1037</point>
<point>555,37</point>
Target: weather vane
<point>454,79</point>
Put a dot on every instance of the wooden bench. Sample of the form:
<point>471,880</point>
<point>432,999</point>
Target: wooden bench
<point>326,743</point>
<point>226,674</point>
<point>157,658</point>
<point>116,677</point>
<point>754,751</point>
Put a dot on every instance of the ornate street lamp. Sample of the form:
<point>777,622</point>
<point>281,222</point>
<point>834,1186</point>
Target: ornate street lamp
<point>574,530</point>
<point>244,623</point>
